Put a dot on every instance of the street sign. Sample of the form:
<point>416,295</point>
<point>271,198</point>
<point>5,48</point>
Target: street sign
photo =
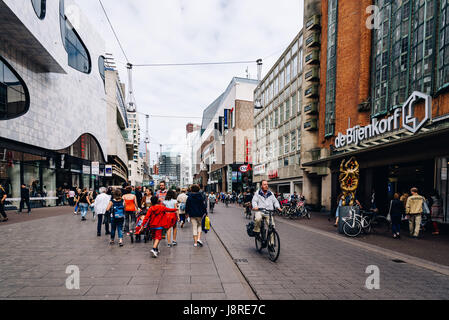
<point>108,170</point>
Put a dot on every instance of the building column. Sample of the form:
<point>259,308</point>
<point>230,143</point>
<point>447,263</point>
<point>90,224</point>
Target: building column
<point>326,190</point>
<point>311,190</point>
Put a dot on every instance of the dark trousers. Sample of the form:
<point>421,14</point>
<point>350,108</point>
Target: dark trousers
<point>132,215</point>
<point>2,210</point>
<point>100,222</point>
<point>396,223</point>
<point>27,202</point>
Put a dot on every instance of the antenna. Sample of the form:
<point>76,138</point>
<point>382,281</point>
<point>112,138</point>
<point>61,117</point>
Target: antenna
<point>131,100</point>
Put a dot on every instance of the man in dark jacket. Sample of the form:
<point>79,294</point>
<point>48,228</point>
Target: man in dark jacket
<point>24,198</point>
<point>196,209</point>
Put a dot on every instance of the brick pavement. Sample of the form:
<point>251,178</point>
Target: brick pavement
<point>35,254</point>
<point>317,266</point>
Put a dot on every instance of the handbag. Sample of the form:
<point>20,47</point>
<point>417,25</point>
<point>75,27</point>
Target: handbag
<point>389,212</point>
<point>425,207</point>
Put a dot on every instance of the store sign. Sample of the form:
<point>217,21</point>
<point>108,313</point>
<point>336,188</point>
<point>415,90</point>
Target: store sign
<point>358,134</point>
<point>108,170</point>
<point>229,178</point>
<point>245,168</point>
<point>96,168</point>
<point>260,169</point>
<point>273,174</point>
<point>86,169</point>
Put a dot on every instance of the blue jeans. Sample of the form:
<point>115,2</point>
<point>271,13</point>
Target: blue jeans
<point>83,208</point>
<point>117,224</point>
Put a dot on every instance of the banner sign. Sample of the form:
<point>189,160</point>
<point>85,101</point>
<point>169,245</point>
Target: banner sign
<point>96,168</point>
<point>108,170</point>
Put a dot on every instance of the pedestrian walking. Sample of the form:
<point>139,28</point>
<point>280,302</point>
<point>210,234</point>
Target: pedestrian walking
<point>84,203</point>
<point>414,210</point>
<point>396,213</point>
<point>162,192</point>
<point>339,205</point>
<point>196,209</point>
<point>117,208</point>
<point>155,215</point>
<point>24,198</point>
<point>436,212</point>
<point>182,199</point>
<point>72,195</point>
<point>171,203</point>
<point>131,208</point>
<point>101,204</point>
<point>3,197</point>
<point>146,200</point>
<point>139,197</point>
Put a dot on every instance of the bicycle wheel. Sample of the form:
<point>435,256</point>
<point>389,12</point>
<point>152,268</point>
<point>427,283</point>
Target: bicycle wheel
<point>259,243</point>
<point>366,225</point>
<point>380,225</point>
<point>274,245</point>
<point>352,228</point>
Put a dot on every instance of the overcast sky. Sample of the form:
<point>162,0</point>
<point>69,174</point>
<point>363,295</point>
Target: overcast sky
<point>181,31</point>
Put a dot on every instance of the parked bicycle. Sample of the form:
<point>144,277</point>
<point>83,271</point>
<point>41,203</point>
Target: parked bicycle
<point>364,221</point>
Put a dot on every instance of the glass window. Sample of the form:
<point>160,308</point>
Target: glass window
<point>286,143</point>
<point>276,117</point>
<point>280,147</point>
<point>443,49</point>
<point>294,103</point>
<point>78,56</point>
<point>299,139</point>
<point>300,60</point>
<point>40,7</point>
<point>14,96</point>
<point>101,68</point>
<point>287,74</point>
<point>281,80</point>
<point>293,141</point>
<point>294,67</point>
<point>282,113</point>
<point>331,67</point>
<point>287,109</point>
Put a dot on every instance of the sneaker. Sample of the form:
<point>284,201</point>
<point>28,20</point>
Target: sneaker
<point>200,243</point>
<point>98,234</point>
<point>111,242</point>
<point>120,244</point>
<point>195,245</point>
<point>154,252</point>
<point>169,245</point>
<point>174,243</point>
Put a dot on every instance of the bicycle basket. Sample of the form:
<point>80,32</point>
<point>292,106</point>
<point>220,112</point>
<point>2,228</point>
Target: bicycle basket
<point>250,229</point>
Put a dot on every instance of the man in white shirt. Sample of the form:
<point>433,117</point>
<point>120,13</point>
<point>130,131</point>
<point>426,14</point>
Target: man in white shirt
<point>263,199</point>
<point>101,203</point>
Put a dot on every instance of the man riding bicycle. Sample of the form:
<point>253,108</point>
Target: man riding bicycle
<point>264,199</point>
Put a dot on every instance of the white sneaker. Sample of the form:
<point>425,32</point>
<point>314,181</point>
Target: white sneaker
<point>154,252</point>
<point>200,243</point>
<point>195,245</point>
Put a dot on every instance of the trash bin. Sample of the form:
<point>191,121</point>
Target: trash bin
<point>345,212</point>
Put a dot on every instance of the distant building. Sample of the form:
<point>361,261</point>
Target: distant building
<point>170,168</point>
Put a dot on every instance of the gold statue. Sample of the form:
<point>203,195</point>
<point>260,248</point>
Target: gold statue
<point>349,179</point>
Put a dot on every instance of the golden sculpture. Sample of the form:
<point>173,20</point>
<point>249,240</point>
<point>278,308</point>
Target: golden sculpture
<point>349,179</point>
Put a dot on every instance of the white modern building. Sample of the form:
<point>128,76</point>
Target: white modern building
<point>53,107</point>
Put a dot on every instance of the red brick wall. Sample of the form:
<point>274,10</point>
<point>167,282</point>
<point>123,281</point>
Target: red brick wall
<point>353,65</point>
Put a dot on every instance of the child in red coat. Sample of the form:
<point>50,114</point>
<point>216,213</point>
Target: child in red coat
<point>155,214</point>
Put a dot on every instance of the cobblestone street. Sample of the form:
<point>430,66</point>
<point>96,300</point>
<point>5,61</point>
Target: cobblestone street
<point>314,264</point>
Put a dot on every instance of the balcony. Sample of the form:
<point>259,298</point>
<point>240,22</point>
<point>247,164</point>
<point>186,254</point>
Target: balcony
<point>314,23</point>
<point>312,91</point>
<point>311,125</point>
<point>311,108</point>
<point>313,40</point>
<point>313,74</point>
<point>313,57</point>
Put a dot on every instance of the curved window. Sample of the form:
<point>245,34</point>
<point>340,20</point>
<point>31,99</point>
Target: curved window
<point>14,96</point>
<point>101,68</point>
<point>78,56</point>
<point>40,7</point>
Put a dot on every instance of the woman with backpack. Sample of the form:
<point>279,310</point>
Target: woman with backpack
<point>131,208</point>
<point>171,203</point>
<point>182,199</point>
<point>117,208</point>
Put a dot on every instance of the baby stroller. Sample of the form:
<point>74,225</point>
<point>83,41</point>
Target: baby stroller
<point>142,228</point>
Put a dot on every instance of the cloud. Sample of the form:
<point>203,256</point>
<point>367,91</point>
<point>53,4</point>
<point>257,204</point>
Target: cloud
<point>178,31</point>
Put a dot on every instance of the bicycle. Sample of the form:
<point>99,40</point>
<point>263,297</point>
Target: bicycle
<point>352,224</point>
<point>302,211</point>
<point>268,237</point>
<point>375,223</point>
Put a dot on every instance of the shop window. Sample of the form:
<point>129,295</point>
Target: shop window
<point>78,56</point>
<point>443,49</point>
<point>14,96</point>
<point>331,67</point>
<point>102,68</point>
<point>40,7</point>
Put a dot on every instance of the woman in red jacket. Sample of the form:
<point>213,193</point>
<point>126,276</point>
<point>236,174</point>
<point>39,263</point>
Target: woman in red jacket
<point>156,214</point>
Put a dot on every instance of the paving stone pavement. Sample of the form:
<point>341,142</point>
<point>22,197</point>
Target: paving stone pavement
<point>35,254</point>
<point>317,266</point>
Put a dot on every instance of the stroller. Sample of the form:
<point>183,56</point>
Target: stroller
<point>142,228</point>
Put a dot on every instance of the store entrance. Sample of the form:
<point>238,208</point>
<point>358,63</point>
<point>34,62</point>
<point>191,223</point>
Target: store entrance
<point>401,178</point>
